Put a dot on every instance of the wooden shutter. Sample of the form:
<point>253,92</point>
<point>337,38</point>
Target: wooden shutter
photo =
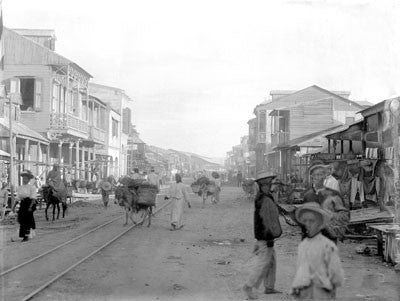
<point>38,94</point>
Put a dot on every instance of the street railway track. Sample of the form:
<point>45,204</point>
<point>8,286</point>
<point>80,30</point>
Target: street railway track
<point>65,271</point>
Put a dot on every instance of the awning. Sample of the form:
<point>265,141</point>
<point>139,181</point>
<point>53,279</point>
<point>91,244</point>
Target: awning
<point>22,131</point>
<point>4,154</point>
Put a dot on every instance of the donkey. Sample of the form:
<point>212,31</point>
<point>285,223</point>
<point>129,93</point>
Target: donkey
<point>207,190</point>
<point>51,198</point>
<point>127,197</point>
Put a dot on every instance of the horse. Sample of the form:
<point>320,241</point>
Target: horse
<point>128,198</point>
<point>51,197</point>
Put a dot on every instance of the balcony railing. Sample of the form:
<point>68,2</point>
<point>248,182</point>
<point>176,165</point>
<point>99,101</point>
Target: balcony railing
<point>279,138</point>
<point>65,121</point>
<point>97,134</point>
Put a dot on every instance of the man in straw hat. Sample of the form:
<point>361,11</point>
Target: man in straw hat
<point>329,200</point>
<point>319,271</point>
<point>266,229</point>
<point>105,188</point>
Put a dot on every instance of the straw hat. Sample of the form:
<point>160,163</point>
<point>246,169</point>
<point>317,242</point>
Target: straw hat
<point>106,186</point>
<point>315,208</point>
<point>264,175</point>
<point>27,173</point>
<point>318,166</point>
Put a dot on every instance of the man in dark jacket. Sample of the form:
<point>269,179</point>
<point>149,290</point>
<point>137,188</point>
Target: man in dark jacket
<point>266,228</point>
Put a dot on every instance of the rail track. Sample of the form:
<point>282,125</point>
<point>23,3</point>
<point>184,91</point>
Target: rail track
<point>67,243</point>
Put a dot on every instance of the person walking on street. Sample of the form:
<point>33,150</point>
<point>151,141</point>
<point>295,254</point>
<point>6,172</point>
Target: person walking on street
<point>319,271</point>
<point>217,181</point>
<point>239,178</point>
<point>179,195</point>
<point>105,188</point>
<point>26,195</point>
<point>3,200</point>
<point>266,228</point>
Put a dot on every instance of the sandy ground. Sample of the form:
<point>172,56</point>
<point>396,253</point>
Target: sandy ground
<point>209,259</point>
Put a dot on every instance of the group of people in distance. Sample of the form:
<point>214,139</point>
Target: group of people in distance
<point>322,217</point>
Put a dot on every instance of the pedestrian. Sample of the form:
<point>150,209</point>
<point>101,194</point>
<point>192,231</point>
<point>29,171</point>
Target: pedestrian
<point>136,175</point>
<point>239,178</point>
<point>319,271</point>
<point>3,200</point>
<point>217,181</point>
<point>105,188</point>
<point>179,195</point>
<point>153,179</point>
<point>329,200</point>
<point>266,229</point>
<point>26,195</point>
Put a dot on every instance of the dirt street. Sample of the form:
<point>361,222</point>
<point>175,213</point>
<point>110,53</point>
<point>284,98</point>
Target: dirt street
<point>209,259</point>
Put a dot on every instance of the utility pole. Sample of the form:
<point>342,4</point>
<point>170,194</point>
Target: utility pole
<point>11,174</point>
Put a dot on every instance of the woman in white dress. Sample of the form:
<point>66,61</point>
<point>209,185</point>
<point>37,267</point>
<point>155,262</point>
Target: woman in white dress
<point>179,195</point>
<point>26,195</point>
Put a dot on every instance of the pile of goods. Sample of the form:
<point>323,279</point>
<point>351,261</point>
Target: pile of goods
<point>146,192</point>
<point>198,183</point>
<point>215,175</point>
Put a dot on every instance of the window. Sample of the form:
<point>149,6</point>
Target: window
<point>114,127</point>
<point>27,89</point>
<point>126,120</point>
<point>55,104</point>
<point>263,121</point>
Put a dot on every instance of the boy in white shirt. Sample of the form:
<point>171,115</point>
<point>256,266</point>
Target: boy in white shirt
<point>319,270</point>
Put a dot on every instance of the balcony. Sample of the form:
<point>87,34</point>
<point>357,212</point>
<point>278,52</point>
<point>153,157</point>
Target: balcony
<point>65,122</point>
<point>97,135</point>
<point>279,138</point>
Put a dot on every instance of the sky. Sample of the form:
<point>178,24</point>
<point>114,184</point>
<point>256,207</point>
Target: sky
<point>197,69</point>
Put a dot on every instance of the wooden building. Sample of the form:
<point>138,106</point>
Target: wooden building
<point>305,112</point>
<point>53,97</point>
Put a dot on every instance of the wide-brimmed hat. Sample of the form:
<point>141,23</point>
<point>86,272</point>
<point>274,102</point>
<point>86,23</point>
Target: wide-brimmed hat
<point>265,174</point>
<point>315,208</point>
<point>27,173</point>
<point>106,186</point>
<point>318,166</point>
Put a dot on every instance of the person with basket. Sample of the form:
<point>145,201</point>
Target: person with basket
<point>266,229</point>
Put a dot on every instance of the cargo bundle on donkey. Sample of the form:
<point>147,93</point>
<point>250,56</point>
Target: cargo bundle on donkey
<point>136,195</point>
<point>204,187</point>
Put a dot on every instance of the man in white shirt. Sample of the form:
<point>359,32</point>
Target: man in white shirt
<point>330,181</point>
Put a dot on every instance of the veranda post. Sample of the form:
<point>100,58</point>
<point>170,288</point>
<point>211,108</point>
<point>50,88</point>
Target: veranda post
<point>394,107</point>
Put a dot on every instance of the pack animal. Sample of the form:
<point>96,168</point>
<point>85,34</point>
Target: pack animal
<point>207,190</point>
<point>52,198</point>
<point>128,198</point>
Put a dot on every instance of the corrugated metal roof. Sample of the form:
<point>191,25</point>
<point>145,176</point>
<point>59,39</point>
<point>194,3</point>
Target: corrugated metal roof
<point>22,130</point>
<point>47,57</point>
